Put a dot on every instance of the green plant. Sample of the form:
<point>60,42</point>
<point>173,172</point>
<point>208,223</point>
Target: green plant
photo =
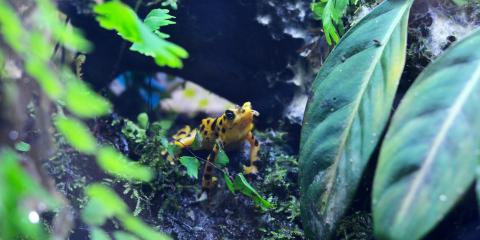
<point>145,36</point>
<point>346,114</point>
<point>330,12</point>
<point>429,154</point>
<point>33,46</point>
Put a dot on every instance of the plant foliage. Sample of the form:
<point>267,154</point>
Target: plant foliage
<point>145,36</point>
<point>420,177</point>
<point>346,114</point>
<point>330,12</point>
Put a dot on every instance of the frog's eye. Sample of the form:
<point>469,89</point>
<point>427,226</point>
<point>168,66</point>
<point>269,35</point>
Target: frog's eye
<point>229,114</point>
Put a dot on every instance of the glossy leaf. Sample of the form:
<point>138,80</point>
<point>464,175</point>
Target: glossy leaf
<point>116,164</point>
<point>192,164</point>
<point>349,107</point>
<point>77,134</point>
<point>429,154</point>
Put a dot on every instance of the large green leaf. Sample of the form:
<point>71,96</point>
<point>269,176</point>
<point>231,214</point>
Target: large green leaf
<point>429,154</point>
<point>347,112</point>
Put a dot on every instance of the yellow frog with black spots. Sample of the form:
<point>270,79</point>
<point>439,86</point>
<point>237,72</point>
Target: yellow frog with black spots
<point>230,130</point>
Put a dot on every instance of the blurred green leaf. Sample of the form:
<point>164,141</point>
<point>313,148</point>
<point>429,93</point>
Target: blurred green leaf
<point>84,102</point>
<point>349,107</point>
<point>241,184</point>
<point>95,214</point>
<point>98,234</point>
<point>116,164</point>
<point>16,186</point>
<point>117,16</point>
<point>120,235</point>
<point>142,120</point>
<point>45,77</point>
<point>192,164</point>
<point>105,201</point>
<point>229,182</point>
<point>222,158</point>
<point>135,225</point>
<point>11,27</point>
<point>77,134</point>
<point>68,36</point>
<point>428,158</point>
<point>22,146</point>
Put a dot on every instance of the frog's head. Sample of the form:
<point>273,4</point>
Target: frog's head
<point>239,117</point>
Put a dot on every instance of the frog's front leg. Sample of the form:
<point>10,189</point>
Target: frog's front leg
<point>254,161</point>
<point>208,180</point>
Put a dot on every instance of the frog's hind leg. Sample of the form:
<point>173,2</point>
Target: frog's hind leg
<point>208,180</point>
<point>254,161</point>
<point>182,139</point>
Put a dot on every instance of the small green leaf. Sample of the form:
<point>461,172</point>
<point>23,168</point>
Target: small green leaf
<point>22,146</point>
<point>241,184</point>
<point>98,234</point>
<point>192,164</point>
<point>77,134</point>
<point>197,141</point>
<point>229,182</point>
<point>158,18</point>
<point>120,235</point>
<point>222,158</point>
<point>116,164</point>
<point>142,120</point>
<point>84,102</point>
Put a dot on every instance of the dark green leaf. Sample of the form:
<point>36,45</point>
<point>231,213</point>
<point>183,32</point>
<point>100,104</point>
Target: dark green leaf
<point>347,112</point>
<point>116,164</point>
<point>429,155</point>
<point>77,134</point>
<point>192,164</point>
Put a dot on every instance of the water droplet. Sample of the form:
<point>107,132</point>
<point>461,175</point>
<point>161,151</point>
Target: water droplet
<point>33,217</point>
<point>332,109</point>
<point>374,134</point>
<point>442,197</point>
